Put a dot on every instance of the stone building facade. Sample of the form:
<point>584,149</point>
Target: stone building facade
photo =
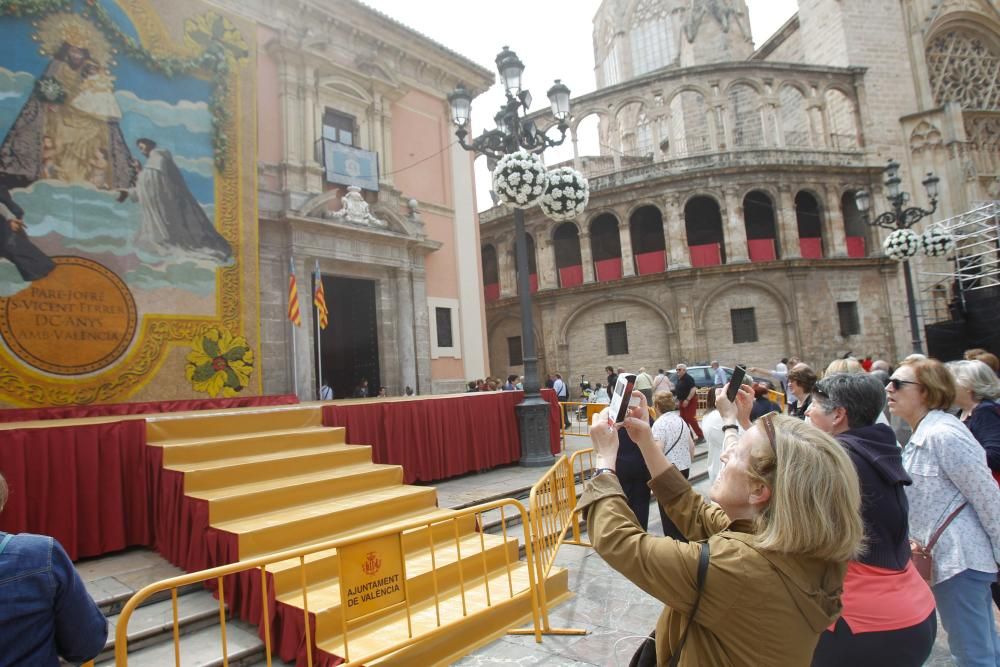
<point>722,222</point>
<point>336,74</point>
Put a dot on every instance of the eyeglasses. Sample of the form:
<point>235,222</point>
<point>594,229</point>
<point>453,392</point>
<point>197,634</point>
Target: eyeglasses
<point>897,384</point>
<point>769,429</point>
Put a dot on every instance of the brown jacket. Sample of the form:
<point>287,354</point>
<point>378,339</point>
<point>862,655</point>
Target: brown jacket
<point>758,608</point>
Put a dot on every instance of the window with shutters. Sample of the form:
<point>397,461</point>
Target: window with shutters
<point>616,338</point>
<point>744,325</point>
<point>514,354</point>
<point>850,325</point>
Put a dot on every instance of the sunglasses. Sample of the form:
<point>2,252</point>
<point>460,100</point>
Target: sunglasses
<point>897,384</point>
<point>766,420</point>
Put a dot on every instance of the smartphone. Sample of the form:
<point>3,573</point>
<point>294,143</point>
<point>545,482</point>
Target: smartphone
<point>734,382</point>
<point>622,396</point>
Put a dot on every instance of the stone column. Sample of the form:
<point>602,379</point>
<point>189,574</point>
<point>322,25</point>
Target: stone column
<point>586,257</point>
<point>789,223</point>
<point>657,151</point>
<point>734,229</point>
<point>675,235</point>
<point>505,267</point>
<point>625,240</point>
<point>833,224</point>
<point>406,327</point>
<point>421,327</point>
<point>545,260</point>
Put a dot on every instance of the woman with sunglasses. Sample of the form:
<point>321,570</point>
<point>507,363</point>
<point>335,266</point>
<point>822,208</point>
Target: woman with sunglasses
<point>786,522</point>
<point>950,478</point>
<point>888,616</point>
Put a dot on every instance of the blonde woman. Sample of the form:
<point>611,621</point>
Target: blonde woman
<point>785,523</point>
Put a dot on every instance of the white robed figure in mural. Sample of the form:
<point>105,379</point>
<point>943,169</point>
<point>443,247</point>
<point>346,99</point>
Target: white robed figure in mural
<point>171,217</point>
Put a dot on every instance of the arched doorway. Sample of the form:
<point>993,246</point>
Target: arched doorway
<point>810,224</point>
<point>566,245</point>
<point>606,247</point>
<point>855,228</point>
<point>758,217</point>
<point>648,244</point>
<point>491,273</point>
<point>706,242</point>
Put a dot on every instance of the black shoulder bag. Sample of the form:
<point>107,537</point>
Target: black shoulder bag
<point>645,655</point>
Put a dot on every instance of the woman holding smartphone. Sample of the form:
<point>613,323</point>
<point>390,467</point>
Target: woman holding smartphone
<point>786,522</point>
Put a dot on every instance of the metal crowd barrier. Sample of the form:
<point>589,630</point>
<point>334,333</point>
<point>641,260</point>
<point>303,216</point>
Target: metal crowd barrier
<point>554,522</point>
<point>365,540</point>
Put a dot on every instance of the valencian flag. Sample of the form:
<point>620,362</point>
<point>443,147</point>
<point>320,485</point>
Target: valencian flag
<point>293,298</point>
<point>319,300</point>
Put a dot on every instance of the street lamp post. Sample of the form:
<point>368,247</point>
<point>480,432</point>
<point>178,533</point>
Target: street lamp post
<point>514,132</point>
<point>902,217</point>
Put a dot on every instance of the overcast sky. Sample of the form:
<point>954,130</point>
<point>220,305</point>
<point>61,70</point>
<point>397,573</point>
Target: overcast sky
<point>553,38</point>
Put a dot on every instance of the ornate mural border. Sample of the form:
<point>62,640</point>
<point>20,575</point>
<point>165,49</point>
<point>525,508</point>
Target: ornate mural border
<point>158,335</point>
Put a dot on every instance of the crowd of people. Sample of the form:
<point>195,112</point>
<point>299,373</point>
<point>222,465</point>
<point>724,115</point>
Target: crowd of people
<point>821,519</point>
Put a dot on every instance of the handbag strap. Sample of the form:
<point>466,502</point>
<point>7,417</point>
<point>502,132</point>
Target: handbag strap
<point>680,434</point>
<point>937,533</point>
<point>6,540</point>
<point>702,574</point>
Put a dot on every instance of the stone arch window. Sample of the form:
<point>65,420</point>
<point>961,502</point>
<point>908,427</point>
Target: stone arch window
<point>810,224</point>
<point>855,228</point>
<point>964,68</point>
<point>532,267</point>
<point>491,273</point>
<point>690,131</point>
<point>648,244</point>
<point>606,246</point>
<point>793,117</point>
<point>840,115</point>
<point>762,232</point>
<point>703,221</point>
<point>566,245</point>
<point>744,110</point>
<point>635,130</point>
<point>652,37</point>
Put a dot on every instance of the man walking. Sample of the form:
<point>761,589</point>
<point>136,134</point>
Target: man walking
<point>644,383</point>
<point>720,378</point>
<point>563,394</point>
<point>686,393</point>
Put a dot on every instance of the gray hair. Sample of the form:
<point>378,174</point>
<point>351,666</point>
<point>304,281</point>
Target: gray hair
<point>679,366</point>
<point>977,377</point>
<point>858,393</point>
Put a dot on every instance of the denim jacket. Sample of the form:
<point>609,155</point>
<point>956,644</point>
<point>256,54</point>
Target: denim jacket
<point>45,611</point>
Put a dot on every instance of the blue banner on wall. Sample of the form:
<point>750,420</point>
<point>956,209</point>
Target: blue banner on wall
<point>346,165</point>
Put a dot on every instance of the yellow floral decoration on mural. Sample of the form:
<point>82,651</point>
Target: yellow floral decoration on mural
<point>211,31</point>
<point>219,363</point>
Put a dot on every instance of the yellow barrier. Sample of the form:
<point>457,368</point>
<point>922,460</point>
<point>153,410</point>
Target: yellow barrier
<point>778,397</point>
<point>345,545</point>
<point>579,415</point>
<point>553,517</point>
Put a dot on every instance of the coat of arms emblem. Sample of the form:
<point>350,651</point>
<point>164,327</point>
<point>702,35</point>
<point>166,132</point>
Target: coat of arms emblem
<point>372,563</point>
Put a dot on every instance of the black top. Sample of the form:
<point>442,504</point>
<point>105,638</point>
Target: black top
<point>799,409</point>
<point>984,422</point>
<point>762,406</point>
<point>683,386</point>
<point>884,508</point>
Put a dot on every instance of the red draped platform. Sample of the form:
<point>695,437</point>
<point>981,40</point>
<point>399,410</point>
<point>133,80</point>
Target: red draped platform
<point>95,486</point>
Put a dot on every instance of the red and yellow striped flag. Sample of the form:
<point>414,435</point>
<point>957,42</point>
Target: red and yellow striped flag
<point>293,301</point>
<point>319,300</point>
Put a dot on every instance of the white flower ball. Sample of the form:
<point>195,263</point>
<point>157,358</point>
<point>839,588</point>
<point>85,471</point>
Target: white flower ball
<point>937,242</point>
<point>516,179</point>
<point>901,244</point>
<point>567,195</point>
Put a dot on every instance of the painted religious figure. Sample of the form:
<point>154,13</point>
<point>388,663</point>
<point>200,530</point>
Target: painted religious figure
<point>69,127</point>
<point>171,216</point>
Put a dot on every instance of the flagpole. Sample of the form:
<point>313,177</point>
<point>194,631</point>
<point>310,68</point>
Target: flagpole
<point>317,277</point>
<point>295,369</point>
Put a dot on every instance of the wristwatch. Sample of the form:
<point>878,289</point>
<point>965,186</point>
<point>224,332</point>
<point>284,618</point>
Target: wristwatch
<point>735,427</point>
<point>601,471</point>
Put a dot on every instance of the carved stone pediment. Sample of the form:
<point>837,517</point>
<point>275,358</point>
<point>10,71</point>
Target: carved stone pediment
<point>354,210</point>
<point>357,212</point>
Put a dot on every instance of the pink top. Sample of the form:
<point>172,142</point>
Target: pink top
<point>876,599</point>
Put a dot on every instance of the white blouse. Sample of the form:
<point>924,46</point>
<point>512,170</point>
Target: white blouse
<point>948,467</point>
<point>671,431</point>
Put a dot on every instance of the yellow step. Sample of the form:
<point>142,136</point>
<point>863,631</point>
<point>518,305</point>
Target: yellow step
<point>194,450</point>
<point>242,500</point>
<point>208,423</point>
<point>324,597</point>
<point>239,469</point>
<point>467,633</point>
<point>322,565</point>
<point>278,530</point>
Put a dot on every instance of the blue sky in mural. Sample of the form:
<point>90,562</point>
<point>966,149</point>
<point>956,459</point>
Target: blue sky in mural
<point>172,112</point>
